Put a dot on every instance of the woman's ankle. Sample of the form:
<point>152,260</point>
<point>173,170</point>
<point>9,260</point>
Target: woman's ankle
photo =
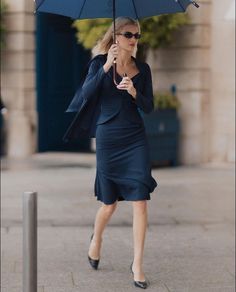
<point>97,239</point>
<point>137,264</point>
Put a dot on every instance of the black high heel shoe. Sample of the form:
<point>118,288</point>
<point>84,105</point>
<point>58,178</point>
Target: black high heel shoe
<point>139,284</point>
<point>93,263</point>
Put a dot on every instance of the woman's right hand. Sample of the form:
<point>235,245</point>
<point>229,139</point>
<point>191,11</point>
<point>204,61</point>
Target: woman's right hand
<point>112,54</point>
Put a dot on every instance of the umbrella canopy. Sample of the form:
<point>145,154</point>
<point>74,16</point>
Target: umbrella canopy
<point>86,9</point>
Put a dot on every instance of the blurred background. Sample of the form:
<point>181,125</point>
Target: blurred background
<point>191,232</point>
<point>42,63</point>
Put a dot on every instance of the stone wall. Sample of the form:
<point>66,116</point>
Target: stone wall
<point>18,78</point>
<point>222,118</point>
<point>187,64</point>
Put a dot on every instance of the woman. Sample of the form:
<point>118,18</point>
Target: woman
<point>123,166</point>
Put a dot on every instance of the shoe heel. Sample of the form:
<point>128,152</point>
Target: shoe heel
<point>131,268</point>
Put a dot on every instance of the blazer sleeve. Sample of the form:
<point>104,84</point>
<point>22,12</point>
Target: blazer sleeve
<point>93,79</point>
<point>144,99</point>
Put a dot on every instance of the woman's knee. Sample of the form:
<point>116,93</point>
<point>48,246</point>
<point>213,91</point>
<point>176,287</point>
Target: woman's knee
<point>140,206</point>
<point>109,209</point>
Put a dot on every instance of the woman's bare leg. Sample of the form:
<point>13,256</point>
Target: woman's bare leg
<point>103,215</point>
<point>139,232</point>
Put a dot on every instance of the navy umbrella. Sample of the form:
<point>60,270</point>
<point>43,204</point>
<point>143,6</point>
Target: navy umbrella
<point>88,9</point>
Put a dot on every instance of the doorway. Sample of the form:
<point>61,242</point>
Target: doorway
<point>60,62</point>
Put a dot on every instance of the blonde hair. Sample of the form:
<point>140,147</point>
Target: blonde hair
<point>104,44</point>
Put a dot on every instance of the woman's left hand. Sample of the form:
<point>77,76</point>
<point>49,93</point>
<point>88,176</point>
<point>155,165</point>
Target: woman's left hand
<point>127,84</point>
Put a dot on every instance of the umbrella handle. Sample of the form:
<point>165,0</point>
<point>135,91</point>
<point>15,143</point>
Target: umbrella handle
<point>114,72</point>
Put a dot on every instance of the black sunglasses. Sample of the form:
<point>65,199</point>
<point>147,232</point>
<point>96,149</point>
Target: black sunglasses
<point>129,35</point>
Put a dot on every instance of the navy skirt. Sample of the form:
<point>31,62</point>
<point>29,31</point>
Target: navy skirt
<point>123,165</point>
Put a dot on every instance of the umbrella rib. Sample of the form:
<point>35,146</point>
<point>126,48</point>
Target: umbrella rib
<point>179,1</point>
<point>39,4</point>
<point>81,10</point>
<point>135,10</point>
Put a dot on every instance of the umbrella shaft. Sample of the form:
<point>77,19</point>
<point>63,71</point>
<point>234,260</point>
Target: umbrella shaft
<point>114,20</point>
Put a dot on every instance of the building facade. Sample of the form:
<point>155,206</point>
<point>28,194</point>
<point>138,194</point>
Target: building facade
<point>200,63</point>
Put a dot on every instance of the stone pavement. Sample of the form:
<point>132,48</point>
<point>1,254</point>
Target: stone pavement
<point>190,238</point>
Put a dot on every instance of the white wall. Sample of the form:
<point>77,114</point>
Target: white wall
<point>187,64</point>
<point>223,81</point>
<point>202,64</point>
<point>18,78</point>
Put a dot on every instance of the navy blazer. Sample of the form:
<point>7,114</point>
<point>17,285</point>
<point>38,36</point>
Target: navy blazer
<point>98,100</point>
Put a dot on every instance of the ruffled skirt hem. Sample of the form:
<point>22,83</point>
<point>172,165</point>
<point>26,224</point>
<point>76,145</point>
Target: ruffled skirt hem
<point>112,189</point>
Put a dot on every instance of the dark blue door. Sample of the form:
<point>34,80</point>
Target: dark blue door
<point>60,64</point>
